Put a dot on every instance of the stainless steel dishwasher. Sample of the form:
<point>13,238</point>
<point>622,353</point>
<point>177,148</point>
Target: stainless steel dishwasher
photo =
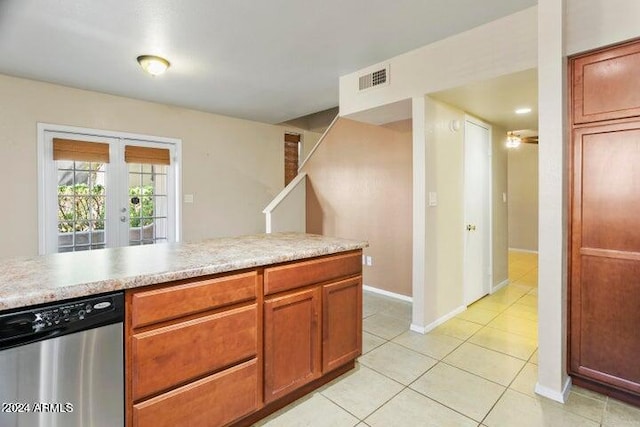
<point>61,364</point>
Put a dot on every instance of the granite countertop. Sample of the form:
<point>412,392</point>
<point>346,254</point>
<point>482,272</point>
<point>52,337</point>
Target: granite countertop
<point>37,280</point>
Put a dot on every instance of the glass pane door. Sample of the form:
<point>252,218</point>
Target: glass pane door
<point>81,205</point>
<point>104,191</point>
<point>148,203</point>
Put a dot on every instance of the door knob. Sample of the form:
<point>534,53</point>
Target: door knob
<point>123,218</point>
<point>471,227</point>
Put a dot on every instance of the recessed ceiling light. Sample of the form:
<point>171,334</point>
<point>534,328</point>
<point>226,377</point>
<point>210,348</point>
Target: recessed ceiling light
<point>524,110</point>
<point>153,65</point>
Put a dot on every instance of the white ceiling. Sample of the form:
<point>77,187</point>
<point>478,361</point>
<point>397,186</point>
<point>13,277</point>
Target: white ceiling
<point>497,99</point>
<point>269,61</point>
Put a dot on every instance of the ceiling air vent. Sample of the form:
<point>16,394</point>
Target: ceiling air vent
<point>374,79</point>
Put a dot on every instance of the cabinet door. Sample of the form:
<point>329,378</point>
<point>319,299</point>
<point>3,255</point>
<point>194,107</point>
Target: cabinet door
<point>606,85</point>
<point>605,250</point>
<point>341,323</point>
<point>292,342</point>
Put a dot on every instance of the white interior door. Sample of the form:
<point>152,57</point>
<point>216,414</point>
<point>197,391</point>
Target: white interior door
<point>477,197</point>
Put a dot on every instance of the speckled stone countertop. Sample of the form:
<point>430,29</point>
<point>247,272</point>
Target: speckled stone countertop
<point>37,280</point>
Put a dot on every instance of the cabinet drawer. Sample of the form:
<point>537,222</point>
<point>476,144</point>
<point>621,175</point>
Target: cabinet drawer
<point>168,356</point>
<point>297,274</point>
<point>213,401</point>
<point>175,301</point>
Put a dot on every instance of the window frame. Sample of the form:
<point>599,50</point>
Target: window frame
<point>47,200</point>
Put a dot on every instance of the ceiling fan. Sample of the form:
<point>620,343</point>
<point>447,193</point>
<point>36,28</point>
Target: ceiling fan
<point>514,139</point>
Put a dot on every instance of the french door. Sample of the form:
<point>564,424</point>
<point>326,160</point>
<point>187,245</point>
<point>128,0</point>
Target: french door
<point>100,191</point>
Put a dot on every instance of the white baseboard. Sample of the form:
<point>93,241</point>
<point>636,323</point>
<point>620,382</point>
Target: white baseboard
<point>496,288</point>
<point>529,251</point>
<point>555,395</point>
<point>387,293</point>
<point>419,329</point>
<point>431,326</point>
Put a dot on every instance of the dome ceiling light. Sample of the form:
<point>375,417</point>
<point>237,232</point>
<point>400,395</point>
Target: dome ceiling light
<point>153,65</point>
<point>513,141</point>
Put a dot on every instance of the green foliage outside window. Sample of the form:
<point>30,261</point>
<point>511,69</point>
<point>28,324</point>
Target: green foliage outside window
<point>79,204</point>
<point>140,213</point>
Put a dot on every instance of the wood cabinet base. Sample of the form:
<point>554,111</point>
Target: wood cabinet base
<point>624,396</point>
<point>293,396</point>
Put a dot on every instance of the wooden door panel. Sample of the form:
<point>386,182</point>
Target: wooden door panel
<point>610,316</point>
<point>605,256</point>
<point>606,84</point>
<point>341,323</point>
<point>292,342</point>
<point>610,181</point>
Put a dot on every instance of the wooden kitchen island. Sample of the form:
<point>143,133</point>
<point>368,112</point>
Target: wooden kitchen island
<point>221,332</point>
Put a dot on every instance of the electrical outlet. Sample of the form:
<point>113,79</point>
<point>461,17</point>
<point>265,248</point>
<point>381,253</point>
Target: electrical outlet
<point>188,198</point>
<point>369,261</point>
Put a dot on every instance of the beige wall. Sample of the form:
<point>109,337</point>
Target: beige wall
<point>499,210</point>
<point>359,186</point>
<point>233,167</point>
<point>442,291</point>
<point>445,222</point>
<point>309,140</point>
<point>523,197</point>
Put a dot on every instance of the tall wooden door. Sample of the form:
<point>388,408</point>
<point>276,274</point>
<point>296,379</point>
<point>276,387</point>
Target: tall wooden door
<point>604,292</point>
<point>605,301</point>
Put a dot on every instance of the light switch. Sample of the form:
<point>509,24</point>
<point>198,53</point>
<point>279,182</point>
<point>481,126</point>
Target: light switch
<point>433,198</point>
<point>504,197</point>
<point>188,198</point>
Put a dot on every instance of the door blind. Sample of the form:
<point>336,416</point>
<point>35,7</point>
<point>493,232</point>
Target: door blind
<point>80,151</point>
<point>147,155</point>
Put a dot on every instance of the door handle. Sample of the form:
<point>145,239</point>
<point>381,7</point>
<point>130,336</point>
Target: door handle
<point>471,227</point>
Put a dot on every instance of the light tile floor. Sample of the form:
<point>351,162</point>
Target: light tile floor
<point>477,369</point>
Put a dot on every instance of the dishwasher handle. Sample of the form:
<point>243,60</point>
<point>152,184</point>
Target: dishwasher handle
<point>28,339</point>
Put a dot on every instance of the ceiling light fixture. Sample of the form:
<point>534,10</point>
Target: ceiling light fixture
<point>153,65</point>
<point>524,110</point>
<point>513,141</point>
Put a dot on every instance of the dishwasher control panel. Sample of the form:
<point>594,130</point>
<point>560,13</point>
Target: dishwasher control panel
<point>51,317</point>
<point>60,318</point>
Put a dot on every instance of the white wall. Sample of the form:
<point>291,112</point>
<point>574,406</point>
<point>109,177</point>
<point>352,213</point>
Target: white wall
<point>501,47</point>
<point>540,37</point>
<point>565,27</point>
<point>591,24</point>
<point>233,167</point>
<point>288,211</point>
<point>445,222</point>
<point>499,210</point>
